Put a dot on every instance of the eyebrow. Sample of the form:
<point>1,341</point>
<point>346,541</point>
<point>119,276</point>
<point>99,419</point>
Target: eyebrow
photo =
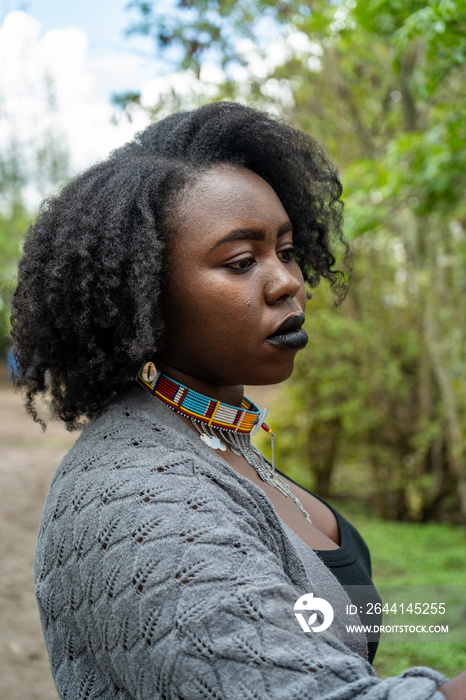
<point>239,234</point>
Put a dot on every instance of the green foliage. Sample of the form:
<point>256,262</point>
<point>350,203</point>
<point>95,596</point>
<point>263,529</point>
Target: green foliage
<point>48,166</point>
<point>12,228</point>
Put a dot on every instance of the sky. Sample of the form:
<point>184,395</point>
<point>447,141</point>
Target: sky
<point>118,61</point>
<point>80,50</point>
<point>74,55</point>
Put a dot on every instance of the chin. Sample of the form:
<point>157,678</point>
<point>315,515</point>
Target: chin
<point>273,376</point>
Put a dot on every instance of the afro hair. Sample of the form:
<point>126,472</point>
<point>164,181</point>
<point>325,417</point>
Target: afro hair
<point>86,310</point>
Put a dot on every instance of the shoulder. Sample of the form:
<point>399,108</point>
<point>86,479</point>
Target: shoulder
<point>127,442</point>
<point>135,477</point>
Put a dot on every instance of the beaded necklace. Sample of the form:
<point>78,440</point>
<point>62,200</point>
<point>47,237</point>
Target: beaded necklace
<point>209,417</point>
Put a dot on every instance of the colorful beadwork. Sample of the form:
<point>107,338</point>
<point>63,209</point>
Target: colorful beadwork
<point>234,424</point>
<point>195,406</point>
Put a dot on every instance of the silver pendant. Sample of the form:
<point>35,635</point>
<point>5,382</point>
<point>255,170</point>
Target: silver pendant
<point>235,450</point>
<point>213,442</point>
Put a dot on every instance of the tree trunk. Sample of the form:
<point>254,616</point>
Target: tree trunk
<point>456,438</point>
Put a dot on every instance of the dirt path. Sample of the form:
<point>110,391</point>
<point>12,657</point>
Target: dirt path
<point>28,458</point>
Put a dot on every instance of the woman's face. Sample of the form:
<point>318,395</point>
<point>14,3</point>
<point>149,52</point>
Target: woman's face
<point>232,282</point>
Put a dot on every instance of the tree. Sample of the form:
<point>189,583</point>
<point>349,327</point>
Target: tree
<point>38,165</point>
<point>13,224</point>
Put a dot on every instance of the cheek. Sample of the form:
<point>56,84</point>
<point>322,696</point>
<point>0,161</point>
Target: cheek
<point>224,296</point>
<point>301,296</point>
<point>240,309</point>
<point>180,293</point>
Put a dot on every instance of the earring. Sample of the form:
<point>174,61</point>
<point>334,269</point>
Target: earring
<point>149,372</point>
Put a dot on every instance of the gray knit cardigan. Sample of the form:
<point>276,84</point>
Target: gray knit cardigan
<point>162,573</point>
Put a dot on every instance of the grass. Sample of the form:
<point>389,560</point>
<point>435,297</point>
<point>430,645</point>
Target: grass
<point>415,554</point>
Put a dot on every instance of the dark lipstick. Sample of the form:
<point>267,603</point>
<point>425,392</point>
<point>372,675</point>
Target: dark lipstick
<point>290,334</point>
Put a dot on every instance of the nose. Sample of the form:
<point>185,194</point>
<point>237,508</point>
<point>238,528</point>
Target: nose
<point>283,281</point>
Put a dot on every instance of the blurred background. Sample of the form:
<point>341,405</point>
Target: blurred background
<point>374,417</point>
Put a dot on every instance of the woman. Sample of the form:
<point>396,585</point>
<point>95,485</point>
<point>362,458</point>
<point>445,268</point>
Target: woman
<point>171,554</point>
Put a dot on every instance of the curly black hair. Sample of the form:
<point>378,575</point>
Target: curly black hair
<point>86,310</point>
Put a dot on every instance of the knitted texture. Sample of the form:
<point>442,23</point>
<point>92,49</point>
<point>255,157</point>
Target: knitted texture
<point>159,571</point>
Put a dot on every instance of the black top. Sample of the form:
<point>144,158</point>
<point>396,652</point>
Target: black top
<point>351,566</point>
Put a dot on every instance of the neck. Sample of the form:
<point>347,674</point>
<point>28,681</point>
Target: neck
<point>226,394</point>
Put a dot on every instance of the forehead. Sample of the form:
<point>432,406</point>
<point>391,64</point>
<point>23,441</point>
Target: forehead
<point>226,197</point>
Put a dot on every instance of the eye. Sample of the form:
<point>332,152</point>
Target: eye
<point>287,254</point>
<point>242,265</point>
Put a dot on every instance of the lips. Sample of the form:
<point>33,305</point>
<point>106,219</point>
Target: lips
<point>290,334</point>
